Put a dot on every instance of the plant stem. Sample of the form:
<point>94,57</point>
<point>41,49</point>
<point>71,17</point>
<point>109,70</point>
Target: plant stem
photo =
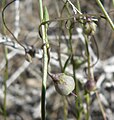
<point>113,2</point>
<point>78,5</point>
<point>105,13</point>
<point>78,100</point>
<point>65,108</point>
<point>88,57</point>
<point>89,77</point>
<point>45,63</point>
<point>88,104</point>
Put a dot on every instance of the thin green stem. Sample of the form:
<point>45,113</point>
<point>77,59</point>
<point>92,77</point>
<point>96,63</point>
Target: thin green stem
<point>65,108</point>
<point>78,5</point>
<point>59,52</point>
<point>77,86</point>
<point>88,57</point>
<point>89,77</point>
<point>45,62</point>
<point>78,100</point>
<point>113,2</point>
<point>41,10</point>
<point>88,104</point>
<point>105,13</point>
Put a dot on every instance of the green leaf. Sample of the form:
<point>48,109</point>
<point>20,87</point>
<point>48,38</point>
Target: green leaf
<point>46,14</point>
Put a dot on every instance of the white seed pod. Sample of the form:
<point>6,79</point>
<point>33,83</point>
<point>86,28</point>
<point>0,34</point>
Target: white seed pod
<point>64,84</point>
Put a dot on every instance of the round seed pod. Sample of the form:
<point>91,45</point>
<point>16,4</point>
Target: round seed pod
<point>89,28</point>
<point>64,84</point>
<point>90,85</point>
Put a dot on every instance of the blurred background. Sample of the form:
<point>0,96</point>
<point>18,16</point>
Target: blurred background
<point>25,79</point>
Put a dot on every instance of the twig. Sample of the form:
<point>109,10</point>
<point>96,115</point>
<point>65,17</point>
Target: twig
<point>75,10</point>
